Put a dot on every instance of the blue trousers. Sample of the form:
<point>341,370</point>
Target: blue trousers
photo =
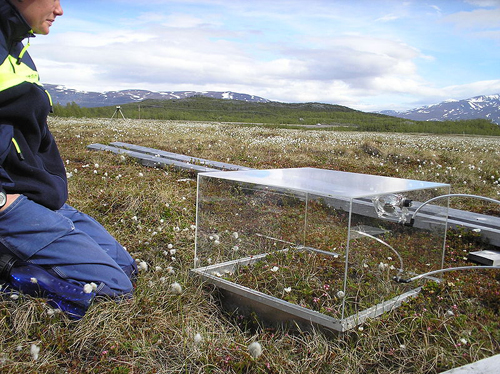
<point>68,243</point>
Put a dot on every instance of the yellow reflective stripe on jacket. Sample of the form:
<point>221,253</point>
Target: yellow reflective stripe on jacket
<point>23,51</point>
<point>12,74</point>
<point>18,149</point>
<point>50,98</point>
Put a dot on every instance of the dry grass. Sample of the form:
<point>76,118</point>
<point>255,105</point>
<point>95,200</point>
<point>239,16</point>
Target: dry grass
<point>148,209</point>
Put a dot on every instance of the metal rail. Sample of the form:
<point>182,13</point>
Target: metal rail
<point>488,226</point>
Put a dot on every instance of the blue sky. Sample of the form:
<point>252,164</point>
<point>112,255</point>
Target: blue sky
<point>367,55</point>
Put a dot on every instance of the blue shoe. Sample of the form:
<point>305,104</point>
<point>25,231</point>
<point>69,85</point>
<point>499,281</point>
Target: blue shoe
<point>35,281</point>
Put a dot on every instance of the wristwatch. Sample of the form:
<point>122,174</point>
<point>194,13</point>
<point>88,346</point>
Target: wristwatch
<point>3,197</point>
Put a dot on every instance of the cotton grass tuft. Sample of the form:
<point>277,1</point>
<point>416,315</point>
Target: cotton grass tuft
<point>255,349</point>
<point>34,351</point>
<point>176,288</point>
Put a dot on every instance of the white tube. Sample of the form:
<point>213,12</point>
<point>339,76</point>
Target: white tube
<point>453,195</point>
<point>451,269</point>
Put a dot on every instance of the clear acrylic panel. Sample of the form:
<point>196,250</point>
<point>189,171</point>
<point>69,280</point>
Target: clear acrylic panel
<point>342,237</point>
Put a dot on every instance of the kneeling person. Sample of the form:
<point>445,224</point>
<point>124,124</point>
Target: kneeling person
<point>40,235</point>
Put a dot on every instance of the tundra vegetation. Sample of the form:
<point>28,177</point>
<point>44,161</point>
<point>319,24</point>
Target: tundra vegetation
<point>275,114</point>
<point>174,323</point>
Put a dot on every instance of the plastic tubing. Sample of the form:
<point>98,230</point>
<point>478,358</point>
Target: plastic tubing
<point>443,271</point>
<point>452,195</point>
<point>384,243</point>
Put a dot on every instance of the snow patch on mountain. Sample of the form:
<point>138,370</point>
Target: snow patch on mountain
<point>482,107</point>
<point>63,95</point>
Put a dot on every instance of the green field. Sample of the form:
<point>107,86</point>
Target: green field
<point>152,212</point>
<point>275,114</point>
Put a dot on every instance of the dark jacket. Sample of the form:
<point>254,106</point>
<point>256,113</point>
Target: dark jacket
<point>30,163</point>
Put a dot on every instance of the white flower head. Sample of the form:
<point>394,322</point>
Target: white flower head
<point>288,289</point>
<point>255,349</point>
<point>235,235</point>
<point>274,269</point>
<point>87,288</point>
<point>176,288</point>
<point>382,266</point>
<point>34,350</point>
<point>341,294</point>
<point>198,339</point>
<point>143,265</point>
<point>33,280</point>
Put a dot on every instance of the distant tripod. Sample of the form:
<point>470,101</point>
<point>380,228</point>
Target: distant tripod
<point>118,110</point>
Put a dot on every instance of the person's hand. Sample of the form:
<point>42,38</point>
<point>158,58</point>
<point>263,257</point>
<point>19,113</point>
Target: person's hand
<point>10,199</point>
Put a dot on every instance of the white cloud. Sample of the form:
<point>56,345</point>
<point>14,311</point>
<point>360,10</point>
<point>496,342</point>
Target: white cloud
<point>473,89</point>
<point>72,74</point>
<point>493,35</point>
<point>436,8</point>
<point>476,19</point>
<point>323,51</point>
<point>199,58</point>
<point>484,3</point>
<point>183,21</point>
<point>387,18</point>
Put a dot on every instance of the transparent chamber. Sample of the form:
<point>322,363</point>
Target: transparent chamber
<point>306,246</point>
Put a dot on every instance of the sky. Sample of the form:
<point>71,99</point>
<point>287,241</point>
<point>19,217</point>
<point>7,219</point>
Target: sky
<point>368,55</point>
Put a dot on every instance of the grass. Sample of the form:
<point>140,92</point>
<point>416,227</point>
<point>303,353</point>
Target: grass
<point>276,114</point>
<point>152,212</point>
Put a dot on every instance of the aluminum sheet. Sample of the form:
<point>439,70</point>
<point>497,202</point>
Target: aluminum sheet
<point>327,183</point>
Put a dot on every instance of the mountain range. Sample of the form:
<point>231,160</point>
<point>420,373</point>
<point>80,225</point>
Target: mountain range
<point>485,107</point>
<point>63,96</point>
